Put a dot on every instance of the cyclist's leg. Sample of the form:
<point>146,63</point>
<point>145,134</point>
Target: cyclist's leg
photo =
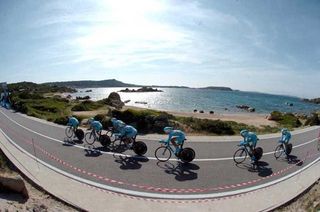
<point>253,158</point>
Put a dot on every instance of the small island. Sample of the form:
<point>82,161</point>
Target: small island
<point>143,89</point>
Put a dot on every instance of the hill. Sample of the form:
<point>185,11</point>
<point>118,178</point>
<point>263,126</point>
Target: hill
<point>219,88</point>
<point>92,84</point>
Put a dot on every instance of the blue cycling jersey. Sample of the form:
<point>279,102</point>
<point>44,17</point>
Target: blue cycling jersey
<point>128,132</point>
<point>96,125</point>
<point>73,122</point>
<point>178,134</point>
<point>117,125</point>
<point>285,138</point>
<point>250,139</point>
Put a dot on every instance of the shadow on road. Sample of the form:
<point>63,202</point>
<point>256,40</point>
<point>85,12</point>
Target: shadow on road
<point>182,171</point>
<point>91,151</point>
<point>127,163</point>
<point>71,142</point>
<point>291,159</point>
<point>259,167</point>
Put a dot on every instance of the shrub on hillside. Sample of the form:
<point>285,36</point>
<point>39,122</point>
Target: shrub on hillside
<point>313,120</point>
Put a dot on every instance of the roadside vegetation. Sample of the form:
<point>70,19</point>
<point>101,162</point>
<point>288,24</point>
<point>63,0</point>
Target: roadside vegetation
<point>43,101</point>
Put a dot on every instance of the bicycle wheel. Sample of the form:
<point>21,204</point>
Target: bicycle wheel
<point>90,138</point>
<point>69,132</point>
<point>80,134</point>
<point>240,155</point>
<point>163,153</point>
<point>187,155</point>
<point>140,148</point>
<point>105,140</point>
<point>278,151</point>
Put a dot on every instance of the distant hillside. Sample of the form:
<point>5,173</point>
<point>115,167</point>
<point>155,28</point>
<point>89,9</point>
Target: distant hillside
<point>164,86</point>
<point>219,88</point>
<point>92,84</point>
<point>39,88</point>
<point>315,101</point>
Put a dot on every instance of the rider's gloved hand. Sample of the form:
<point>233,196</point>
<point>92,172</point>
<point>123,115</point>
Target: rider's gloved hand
<point>162,142</point>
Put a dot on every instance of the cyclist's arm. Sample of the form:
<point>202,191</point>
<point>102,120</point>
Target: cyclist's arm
<point>169,138</point>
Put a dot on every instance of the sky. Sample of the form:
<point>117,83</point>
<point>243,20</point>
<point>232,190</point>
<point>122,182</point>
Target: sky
<point>264,46</point>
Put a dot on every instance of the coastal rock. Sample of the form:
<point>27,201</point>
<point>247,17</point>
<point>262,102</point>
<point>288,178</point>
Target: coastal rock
<point>114,100</point>
<point>195,110</point>
<point>143,89</point>
<point>15,184</point>
<point>201,111</point>
<point>251,109</point>
<point>83,98</point>
<point>211,112</point>
<point>246,107</point>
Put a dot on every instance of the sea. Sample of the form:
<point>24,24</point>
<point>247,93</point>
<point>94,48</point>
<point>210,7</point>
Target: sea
<point>190,99</point>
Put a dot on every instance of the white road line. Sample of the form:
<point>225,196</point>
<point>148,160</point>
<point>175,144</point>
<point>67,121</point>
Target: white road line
<point>159,195</point>
<point>150,158</point>
<point>222,139</point>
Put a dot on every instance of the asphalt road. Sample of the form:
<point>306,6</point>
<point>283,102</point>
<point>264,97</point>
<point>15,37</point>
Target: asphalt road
<point>212,172</point>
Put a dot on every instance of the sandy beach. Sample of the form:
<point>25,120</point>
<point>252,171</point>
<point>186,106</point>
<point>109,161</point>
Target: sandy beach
<point>254,119</point>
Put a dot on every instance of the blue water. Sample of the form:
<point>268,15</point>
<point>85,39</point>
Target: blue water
<point>186,100</point>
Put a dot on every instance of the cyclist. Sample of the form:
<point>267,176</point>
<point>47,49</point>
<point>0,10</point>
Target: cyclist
<point>250,140</point>
<point>176,137</point>
<point>117,125</point>
<point>128,134</point>
<point>286,136</point>
<point>95,125</point>
<point>73,122</point>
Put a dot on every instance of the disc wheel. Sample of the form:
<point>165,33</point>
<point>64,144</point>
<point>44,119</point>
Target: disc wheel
<point>105,140</point>
<point>140,148</point>
<point>163,154</point>
<point>240,155</point>
<point>80,134</point>
<point>187,155</point>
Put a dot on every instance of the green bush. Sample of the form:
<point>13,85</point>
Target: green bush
<point>211,126</point>
<point>61,120</point>
<point>146,121</point>
<point>313,120</point>
<point>86,106</point>
<point>276,116</point>
<point>287,120</point>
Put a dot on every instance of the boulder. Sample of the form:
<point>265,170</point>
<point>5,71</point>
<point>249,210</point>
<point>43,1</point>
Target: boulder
<point>14,184</point>
<point>251,109</point>
<point>211,112</point>
<point>114,100</point>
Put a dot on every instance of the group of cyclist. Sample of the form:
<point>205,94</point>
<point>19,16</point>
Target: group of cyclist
<point>250,140</point>
<point>176,137</point>
<point>128,132</point>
